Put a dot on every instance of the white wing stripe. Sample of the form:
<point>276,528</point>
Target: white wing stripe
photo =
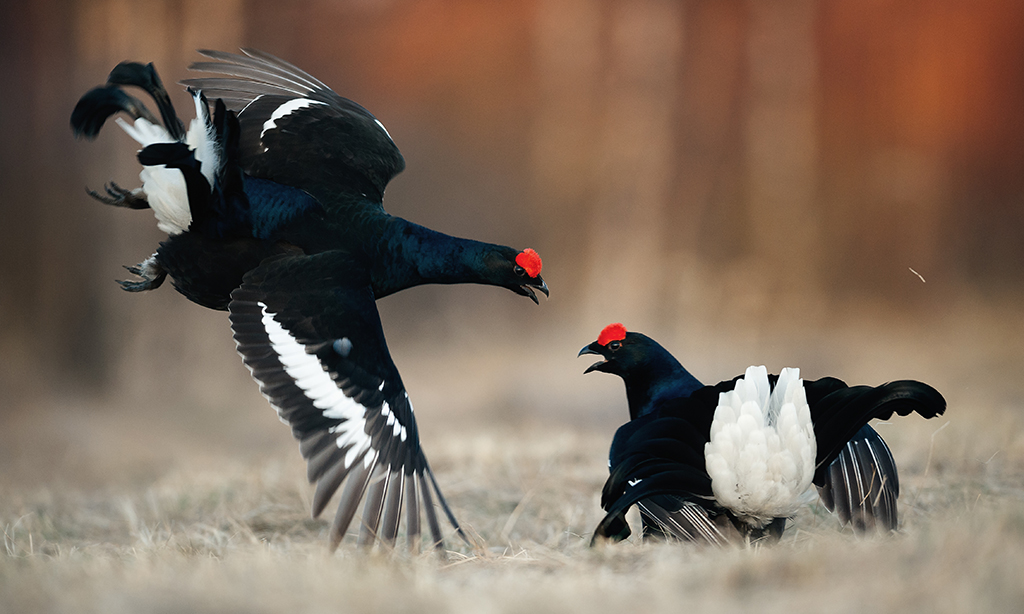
<point>307,373</point>
<point>384,129</point>
<point>322,391</point>
<point>310,377</point>
<point>355,451</point>
<point>318,386</point>
<point>249,103</point>
<point>333,398</point>
<point>285,109</point>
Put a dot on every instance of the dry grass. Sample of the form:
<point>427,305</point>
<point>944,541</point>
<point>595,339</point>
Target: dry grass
<point>133,504</point>
<point>237,538</point>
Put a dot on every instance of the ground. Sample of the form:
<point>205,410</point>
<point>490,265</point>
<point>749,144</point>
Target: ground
<point>110,505</point>
<point>238,539</point>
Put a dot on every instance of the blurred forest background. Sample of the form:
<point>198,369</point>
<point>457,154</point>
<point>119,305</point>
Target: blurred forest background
<point>835,185</point>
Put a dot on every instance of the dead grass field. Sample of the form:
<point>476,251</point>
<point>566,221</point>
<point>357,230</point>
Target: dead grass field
<point>108,506</point>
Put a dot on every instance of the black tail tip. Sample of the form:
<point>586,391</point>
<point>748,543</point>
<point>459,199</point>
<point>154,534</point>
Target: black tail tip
<point>135,74</point>
<point>98,104</point>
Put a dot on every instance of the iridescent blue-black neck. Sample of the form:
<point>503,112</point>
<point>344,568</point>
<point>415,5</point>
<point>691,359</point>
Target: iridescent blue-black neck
<point>659,379</point>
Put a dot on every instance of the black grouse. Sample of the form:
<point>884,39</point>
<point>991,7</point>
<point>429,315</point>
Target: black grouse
<point>273,207</point>
<point>730,462</point>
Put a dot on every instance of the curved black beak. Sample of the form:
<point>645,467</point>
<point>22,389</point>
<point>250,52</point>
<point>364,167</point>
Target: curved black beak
<point>528,289</point>
<point>590,349</point>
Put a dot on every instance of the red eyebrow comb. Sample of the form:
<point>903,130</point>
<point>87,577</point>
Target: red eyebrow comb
<point>612,332</point>
<point>529,260</point>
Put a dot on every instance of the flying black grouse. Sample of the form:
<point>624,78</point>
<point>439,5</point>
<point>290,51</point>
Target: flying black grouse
<point>730,462</point>
<point>273,207</point>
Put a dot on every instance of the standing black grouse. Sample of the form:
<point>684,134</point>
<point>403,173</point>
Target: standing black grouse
<point>730,462</point>
<point>273,207</point>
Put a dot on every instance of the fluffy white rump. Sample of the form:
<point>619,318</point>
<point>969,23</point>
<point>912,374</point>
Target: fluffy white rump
<point>762,449</point>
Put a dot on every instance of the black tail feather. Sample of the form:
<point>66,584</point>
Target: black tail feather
<point>232,208</point>
<point>98,104</point>
<point>144,76</point>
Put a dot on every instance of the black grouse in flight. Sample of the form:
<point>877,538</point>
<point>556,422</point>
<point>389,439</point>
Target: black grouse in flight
<point>273,208</point>
<point>730,462</point>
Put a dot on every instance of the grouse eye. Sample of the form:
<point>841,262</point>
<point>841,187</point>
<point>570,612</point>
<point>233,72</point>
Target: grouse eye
<point>520,271</point>
<point>614,345</point>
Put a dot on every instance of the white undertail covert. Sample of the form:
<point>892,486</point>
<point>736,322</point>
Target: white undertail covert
<point>165,187</point>
<point>762,449</point>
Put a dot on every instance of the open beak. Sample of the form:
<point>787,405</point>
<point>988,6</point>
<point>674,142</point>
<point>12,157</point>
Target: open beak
<point>589,349</point>
<point>528,290</point>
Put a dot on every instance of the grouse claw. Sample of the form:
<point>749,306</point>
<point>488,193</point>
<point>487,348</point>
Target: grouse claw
<point>120,197</point>
<point>150,271</point>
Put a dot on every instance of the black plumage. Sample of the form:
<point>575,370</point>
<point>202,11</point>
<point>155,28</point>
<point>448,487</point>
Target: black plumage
<point>281,222</point>
<point>657,459</point>
<point>862,484</point>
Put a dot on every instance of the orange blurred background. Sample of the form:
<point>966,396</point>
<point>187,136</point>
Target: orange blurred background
<point>838,185</point>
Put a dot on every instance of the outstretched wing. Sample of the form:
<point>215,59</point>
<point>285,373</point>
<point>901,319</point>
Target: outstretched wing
<point>839,411</point>
<point>856,475</point>
<point>657,464</point>
<point>296,131</point>
<point>307,328</point>
<point>862,484</point>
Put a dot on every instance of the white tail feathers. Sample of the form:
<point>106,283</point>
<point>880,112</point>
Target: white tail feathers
<point>202,139</point>
<point>145,131</point>
<point>165,187</point>
<point>168,198</point>
<point>762,448</point>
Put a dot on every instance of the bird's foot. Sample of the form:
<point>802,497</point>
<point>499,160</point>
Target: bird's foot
<point>120,197</point>
<point>150,271</point>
